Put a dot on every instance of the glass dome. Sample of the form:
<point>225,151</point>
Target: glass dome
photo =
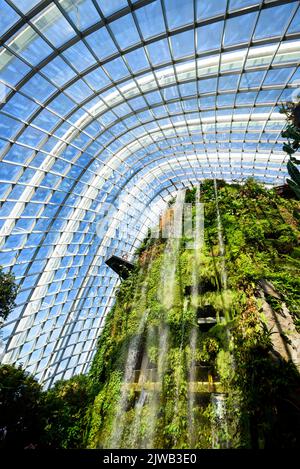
<point>109,107</point>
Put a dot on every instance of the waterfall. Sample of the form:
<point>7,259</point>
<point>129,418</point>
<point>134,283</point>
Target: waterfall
<point>144,378</point>
<point>199,242</point>
<point>133,350</point>
<point>218,400</point>
<point>191,394</point>
<point>141,401</point>
<point>130,366</point>
<point>219,427</point>
<point>166,297</point>
<point>171,364</point>
<point>154,400</point>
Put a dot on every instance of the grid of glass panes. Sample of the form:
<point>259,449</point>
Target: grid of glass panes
<point>109,106</point>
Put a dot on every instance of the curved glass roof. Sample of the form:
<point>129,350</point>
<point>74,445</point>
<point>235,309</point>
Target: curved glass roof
<point>109,107</point>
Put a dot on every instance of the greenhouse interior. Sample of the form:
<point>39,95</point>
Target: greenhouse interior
<point>149,224</point>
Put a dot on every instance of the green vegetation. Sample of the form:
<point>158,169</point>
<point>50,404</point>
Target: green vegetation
<point>20,409</point>
<point>8,292</point>
<point>162,394</point>
<point>261,234</point>
<point>65,413</point>
<point>292,134</point>
<point>33,418</point>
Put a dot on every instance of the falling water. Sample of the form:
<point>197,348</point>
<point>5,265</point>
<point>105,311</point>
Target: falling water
<point>144,378</point>
<point>155,398</point>
<point>192,379</point>
<point>220,239</point>
<point>136,424</point>
<point>133,350</point>
<point>178,376</point>
<point>149,402</point>
<point>130,366</point>
<point>166,297</point>
<point>219,427</point>
<point>199,241</point>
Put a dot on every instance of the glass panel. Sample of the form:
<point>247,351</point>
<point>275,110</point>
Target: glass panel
<point>8,17</point>
<point>207,86</point>
<point>53,25</point>
<point>29,45</point>
<point>12,69</point>
<point>228,82</point>
<point>81,12</point>
<point>26,5</point>
<point>239,4</point>
<point>46,120</point>
<point>211,8</point>
<point>58,71</point>
<point>239,29</point>
<point>295,25</point>
<point>19,106</point>
<point>209,36</point>
<point>268,96</point>
<point>137,60</point>
<point>61,105</point>
<point>97,79</point>
<point>183,44</point>
<point>273,21</point>
<point>101,43</point>
<point>79,91</point>
<point>159,52</point>
<point>79,56</point>
<point>278,76</point>
<point>125,31</point>
<point>111,6</point>
<point>116,69</point>
<point>38,88</point>
<point>150,20</point>
<point>176,19</point>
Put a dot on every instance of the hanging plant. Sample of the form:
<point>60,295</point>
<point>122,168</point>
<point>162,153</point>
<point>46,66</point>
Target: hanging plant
<point>292,134</point>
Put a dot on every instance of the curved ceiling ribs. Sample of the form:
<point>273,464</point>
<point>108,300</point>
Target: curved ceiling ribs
<point>110,107</point>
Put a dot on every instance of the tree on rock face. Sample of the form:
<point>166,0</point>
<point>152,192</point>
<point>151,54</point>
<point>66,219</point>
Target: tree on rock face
<point>8,292</point>
<point>20,408</point>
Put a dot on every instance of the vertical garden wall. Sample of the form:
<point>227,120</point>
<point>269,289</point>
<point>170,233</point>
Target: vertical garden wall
<point>201,347</point>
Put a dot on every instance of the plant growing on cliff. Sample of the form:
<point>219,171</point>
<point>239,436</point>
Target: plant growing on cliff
<point>292,134</point>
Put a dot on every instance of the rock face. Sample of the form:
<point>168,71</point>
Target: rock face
<point>285,338</point>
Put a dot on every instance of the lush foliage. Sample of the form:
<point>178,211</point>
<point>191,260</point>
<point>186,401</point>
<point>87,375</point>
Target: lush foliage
<point>158,371</point>
<point>20,409</point>
<point>65,413</point>
<point>292,134</point>
<point>8,292</point>
<point>33,418</point>
<point>260,231</point>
